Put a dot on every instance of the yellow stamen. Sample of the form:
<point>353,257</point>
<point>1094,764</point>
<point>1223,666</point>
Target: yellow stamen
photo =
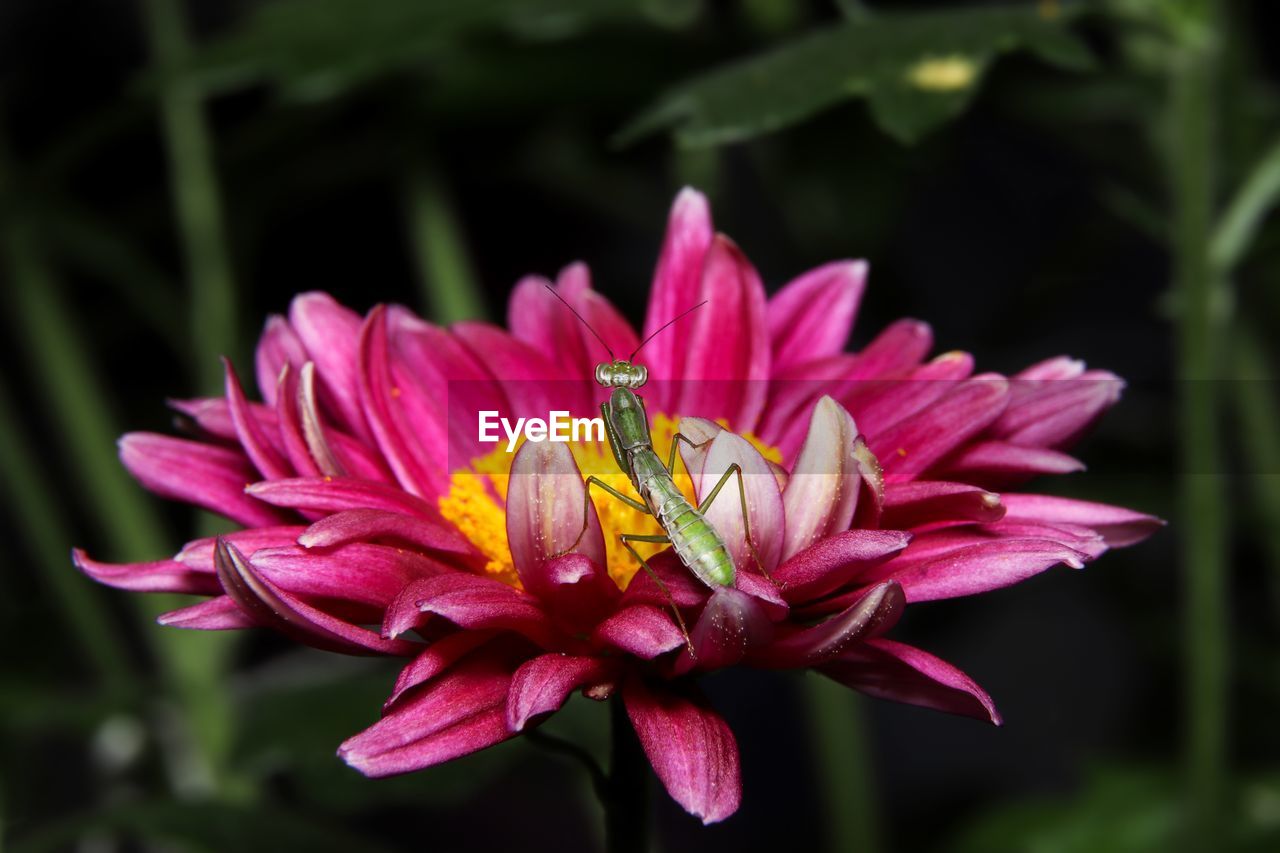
<point>475,503</point>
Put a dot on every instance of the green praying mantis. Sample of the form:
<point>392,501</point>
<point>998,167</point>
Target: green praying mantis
<point>696,542</point>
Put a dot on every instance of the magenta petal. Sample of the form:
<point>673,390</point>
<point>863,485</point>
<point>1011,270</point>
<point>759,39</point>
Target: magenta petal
<point>331,334</point>
<point>875,612</point>
<point>355,525</point>
<point>1056,412</point>
<point>910,447</point>
<point>830,563</point>
<point>197,554</point>
<point>902,673</point>
<point>881,403</point>
<point>468,601</point>
<point>546,499</point>
<point>359,572</point>
<point>977,568</point>
<point>459,713</point>
<point>730,626</point>
<point>825,483</point>
<point>997,462</point>
<point>577,590</point>
<point>681,586</point>
<point>253,435</point>
<point>541,686</point>
<point>336,494</point>
<point>158,576</point>
<point>726,366</point>
<point>919,502</point>
<point>676,284</point>
<point>901,346</point>
<point>1117,526</point>
<point>271,606</point>
<point>215,614</point>
<point>690,747</point>
<point>201,474</point>
<point>764,502</point>
<point>435,659</point>
<point>811,317</point>
<point>643,630</point>
<point>278,346</point>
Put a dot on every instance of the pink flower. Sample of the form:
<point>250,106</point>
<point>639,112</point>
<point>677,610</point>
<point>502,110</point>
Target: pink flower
<point>874,480</point>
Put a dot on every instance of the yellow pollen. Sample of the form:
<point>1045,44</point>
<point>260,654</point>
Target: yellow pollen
<point>475,503</point>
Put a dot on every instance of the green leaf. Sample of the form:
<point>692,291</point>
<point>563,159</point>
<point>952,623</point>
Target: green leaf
<point>916,70</point>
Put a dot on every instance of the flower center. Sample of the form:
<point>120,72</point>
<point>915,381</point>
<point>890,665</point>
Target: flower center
<point>476,502</point>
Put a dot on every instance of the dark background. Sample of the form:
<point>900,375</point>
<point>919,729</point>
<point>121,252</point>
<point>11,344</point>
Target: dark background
<point>1034,224</point>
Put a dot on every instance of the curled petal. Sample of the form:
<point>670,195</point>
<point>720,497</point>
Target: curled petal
<point>830,563</point>
<point>643,630</point>
<point>811,317</point>
<point>730,626</point>
<point>546,499</point>
<point>468,601</point>
<point>331,335</point>
<point>458,713</point>
<point>158,576</point>
<point>690,747</point>
<point>435,659</point>
<point>823,489</point>
<point>924,501</point>
<point>541,686</point>
<point>197,554</point>
<point>279,346</point>
<point>269,605</point>
<point>876,611</point>
<point>355,525</point>
<point>336,494</point>
<point>254,435</point>
<point>578,590</point>
<point>902,673</point>
<point>764,501</point>
<point>214,614</point>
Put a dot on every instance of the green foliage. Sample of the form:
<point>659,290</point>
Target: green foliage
<point>915,70</point>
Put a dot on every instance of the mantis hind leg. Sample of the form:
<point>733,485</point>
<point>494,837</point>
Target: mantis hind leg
<point>735,468</point>
<point>627,539</point>
<point>586,508</point>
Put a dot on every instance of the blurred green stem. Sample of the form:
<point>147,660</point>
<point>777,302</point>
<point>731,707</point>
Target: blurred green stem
<point>212,309</point>
<point>1245,214</point>
<point>1201,300</point>
<point>449,289</point>
<point>844,766</point>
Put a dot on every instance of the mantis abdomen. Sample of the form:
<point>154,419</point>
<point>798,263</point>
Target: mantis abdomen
<point>696,542</point>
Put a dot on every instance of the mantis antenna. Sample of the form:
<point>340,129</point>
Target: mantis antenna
<point>583,321</point>
<point>665,326</point>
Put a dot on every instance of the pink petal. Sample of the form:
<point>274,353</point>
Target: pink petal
<point>680,584</point>
<point>292,433</point>
<point>197,554</point>
<point>356,525</point>
<point>214,614</point>
<point>643,630</point>
<point>1056,412</point>
<point>336,494</point>
<point>541,686</point>
<point>532,381</point>
<point>577,590</point>
<point>271,606</point>
<point>690,747</point>
<point>908,448</point>
<point>359,572</point>
<point>459,713</point>
<point>254,436</point>
<point>159,576</point>
<point>1118,526</point>
<point>876,611</point>
<point>401,437</point>
<point>900,347</point>
<point>435,659</point>
<point>468,601</point>
<point>811,317</point>
<point>545,506</point>
<point>996,462</point>
<point>278,346</point>
<point>201,474</point>
<point>977,568</point>
<point>764,502</point>
<point>730,626</point>
<point>676,286</point>
<point>896,671</point>
<point>822,492</point>
<point>920,502</point>
<point>726,366</point>
<point>879,404</point>
<point>331,334</point>
<point>830,563</point>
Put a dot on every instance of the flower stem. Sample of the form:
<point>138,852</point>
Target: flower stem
<point>626,797</point>
<point>1202,305</point>
<point>843,765</point>
<point>448,281</point>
